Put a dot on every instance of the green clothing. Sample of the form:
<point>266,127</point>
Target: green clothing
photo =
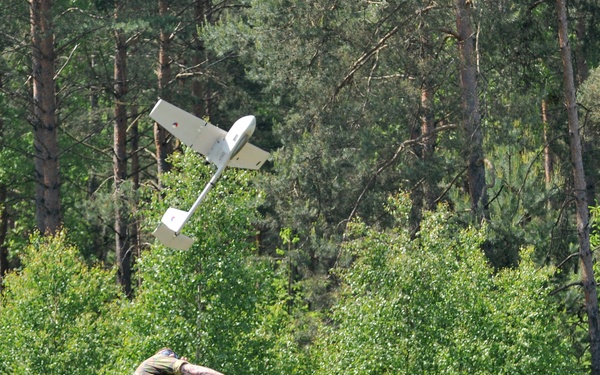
<point>160,365</point>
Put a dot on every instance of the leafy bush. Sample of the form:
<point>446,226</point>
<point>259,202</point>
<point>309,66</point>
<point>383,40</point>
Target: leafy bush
<point>56,313</point>
<point>433,305</point>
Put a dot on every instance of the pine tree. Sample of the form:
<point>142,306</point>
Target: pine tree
<point>47,173</point>
<point>579,192</point>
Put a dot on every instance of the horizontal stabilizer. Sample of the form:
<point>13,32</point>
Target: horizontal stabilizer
<point>170,239</point>
<point>249,157</point>
<point>174,219</point>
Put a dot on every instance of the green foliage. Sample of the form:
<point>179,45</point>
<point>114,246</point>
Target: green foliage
<point>56,314</point>
<point>432,305</point>
<point>520,203</point>
<point>16,167</point>
<point>336,116</point>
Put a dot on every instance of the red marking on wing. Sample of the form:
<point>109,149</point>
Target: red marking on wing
<point>175,124</point>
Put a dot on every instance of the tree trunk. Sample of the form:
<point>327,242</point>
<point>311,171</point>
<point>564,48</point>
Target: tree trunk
<point>583,227</point>
<point>423,194</point>
<point>428,147</point>
<point>134,135</point>
<point>470,102</point>
<point>548,155</point>
<point>201,14</point>
<point>4,266</point>
<point>102,233</point>
<point>548,160</point>
<point>123,255</point>
<point>163,148</point>
<point>47,176</point>
<point>583,72</point>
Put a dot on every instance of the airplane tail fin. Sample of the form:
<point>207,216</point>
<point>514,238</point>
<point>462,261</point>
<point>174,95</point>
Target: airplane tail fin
<point>168,230</point>
<point>171,239</point>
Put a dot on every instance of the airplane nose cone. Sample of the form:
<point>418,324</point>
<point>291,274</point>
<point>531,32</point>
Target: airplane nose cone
<point>248,123</point>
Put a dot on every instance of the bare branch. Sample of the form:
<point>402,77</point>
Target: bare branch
<point>390,161</point>
<point>564,287</point>
<point>362,60</point>
<point>450,185</point>
<point>66,62</point>
<point>567,259</point>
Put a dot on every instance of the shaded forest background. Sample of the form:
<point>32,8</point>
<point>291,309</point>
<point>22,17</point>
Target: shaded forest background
<point>425,209</point>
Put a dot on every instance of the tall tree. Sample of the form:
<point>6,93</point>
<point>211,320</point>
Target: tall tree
<point>428,74</point>
<point>45,126</point>
<point>4,266</point>
<point>123,253</point>
<point>473,134</point>
<point>582,72</point>
<point>161,139</point>
<point>134,156</point>
<point>548,159</point>
<point>579,185</point>
<point>202,14</point>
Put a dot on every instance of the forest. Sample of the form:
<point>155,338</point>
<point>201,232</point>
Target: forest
<point>429,205</point>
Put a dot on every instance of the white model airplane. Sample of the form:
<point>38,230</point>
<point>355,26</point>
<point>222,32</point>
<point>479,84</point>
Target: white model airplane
<point>218,146</point>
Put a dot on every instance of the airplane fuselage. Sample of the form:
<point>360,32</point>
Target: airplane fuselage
<point>227,148</point>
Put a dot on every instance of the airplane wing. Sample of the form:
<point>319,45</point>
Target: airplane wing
<point>249,157</point>
<point>189,129</point>
<point>201,135</point>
